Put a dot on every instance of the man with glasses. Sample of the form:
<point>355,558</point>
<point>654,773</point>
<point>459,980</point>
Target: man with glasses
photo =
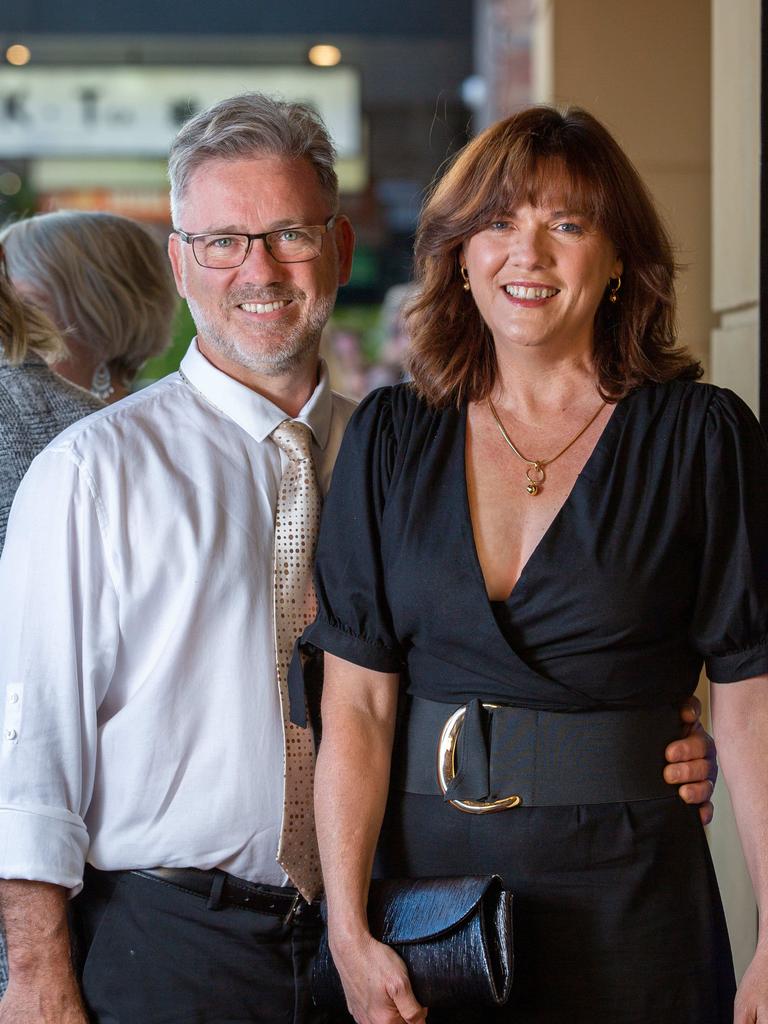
<point>138,591</point>
<point>155,577</point>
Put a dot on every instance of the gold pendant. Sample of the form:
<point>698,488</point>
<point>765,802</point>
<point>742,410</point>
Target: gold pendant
<point>534,482</point>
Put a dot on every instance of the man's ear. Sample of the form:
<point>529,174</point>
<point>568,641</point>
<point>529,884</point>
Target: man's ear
<point>345,245</point>
<point>174,255</point>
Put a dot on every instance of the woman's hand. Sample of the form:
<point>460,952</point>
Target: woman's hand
<point>351,785</point>
<point>751,1006</point>
<point>376,983</point>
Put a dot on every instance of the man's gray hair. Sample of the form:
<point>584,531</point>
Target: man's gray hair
<point>252,125</point>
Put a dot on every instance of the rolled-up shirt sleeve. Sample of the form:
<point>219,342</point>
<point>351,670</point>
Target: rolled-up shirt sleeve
<point>59,633</point>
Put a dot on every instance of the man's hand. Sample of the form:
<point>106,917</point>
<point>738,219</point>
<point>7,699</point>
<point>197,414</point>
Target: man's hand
<point>42,988</point>
<point>693,762</point>
<point>376,984</point>
<point>52,1001</point>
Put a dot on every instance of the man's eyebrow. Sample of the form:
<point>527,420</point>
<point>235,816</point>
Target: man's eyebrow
<point>238,229</point>
<point>227,229</point>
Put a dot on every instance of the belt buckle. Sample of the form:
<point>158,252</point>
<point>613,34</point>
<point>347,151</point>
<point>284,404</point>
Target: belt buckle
<point>293,909</point>
<point>446,768</point>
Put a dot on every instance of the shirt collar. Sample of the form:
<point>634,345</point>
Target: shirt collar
<point>250,410</point>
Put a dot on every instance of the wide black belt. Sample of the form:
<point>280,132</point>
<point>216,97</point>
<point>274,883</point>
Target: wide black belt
<point>222,889</point>
<point>483,757</point>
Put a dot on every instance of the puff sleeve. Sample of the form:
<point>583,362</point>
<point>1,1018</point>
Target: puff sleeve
<point>353,620</point>
<point>730,624</point>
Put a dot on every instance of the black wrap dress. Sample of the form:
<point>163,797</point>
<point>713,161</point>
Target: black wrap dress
<point>656,564</point>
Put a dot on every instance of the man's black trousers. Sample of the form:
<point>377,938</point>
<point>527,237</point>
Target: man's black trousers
<point>151,953</point>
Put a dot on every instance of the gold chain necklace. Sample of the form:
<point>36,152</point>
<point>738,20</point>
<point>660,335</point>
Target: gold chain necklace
<point>536,466</point>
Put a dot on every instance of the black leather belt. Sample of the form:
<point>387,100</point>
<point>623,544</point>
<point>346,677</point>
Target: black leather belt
<point>229,890</point>
<point>484,757</point>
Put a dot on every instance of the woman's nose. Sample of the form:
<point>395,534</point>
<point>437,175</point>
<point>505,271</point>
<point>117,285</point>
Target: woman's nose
<point>529,249</point>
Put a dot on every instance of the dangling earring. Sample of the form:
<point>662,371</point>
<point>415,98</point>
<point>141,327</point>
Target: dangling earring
<point>101,382</point>
<point>465,276</point>
<point>614,288</point>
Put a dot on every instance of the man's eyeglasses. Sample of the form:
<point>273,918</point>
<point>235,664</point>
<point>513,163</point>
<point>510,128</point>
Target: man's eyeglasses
<point>296,244</point>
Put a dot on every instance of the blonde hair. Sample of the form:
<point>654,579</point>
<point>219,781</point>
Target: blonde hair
<point>102,278</point>
<point>23,327</point>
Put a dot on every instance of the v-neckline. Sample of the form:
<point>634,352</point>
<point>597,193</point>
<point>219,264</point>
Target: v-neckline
<point>600,445</point>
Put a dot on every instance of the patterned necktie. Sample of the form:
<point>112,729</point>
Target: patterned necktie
<point>296,525</point>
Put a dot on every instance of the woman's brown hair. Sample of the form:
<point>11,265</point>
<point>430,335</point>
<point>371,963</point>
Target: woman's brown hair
<point>536,154</point>
<point>23,327</point>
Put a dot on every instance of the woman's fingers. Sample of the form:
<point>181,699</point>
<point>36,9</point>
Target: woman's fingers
<point>407,1004</point>
<point>377,986</point>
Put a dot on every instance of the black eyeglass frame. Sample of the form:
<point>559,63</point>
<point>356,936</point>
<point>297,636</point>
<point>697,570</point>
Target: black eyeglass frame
<point>185,236</point>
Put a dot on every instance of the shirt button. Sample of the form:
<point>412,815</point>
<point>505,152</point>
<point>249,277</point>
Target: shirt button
<point>14,698</point>
<point>10,734</point>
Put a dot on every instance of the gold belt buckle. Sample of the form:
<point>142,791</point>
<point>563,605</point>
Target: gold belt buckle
<point>446,768</point>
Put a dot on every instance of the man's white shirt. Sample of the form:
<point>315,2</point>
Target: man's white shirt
<point>141,714</point>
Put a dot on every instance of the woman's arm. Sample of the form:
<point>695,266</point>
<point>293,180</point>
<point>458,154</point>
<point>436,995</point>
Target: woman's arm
<point>351,783</point>
<point>740,719</point>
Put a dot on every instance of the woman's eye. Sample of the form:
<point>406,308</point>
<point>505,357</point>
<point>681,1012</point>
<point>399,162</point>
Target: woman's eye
<point>499,225</point>
<point>569,228</point>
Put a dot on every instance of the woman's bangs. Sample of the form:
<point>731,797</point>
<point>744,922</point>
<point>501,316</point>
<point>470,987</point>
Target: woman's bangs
<point>551,183</point>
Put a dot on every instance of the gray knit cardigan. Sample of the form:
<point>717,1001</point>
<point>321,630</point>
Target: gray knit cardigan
<point>36,404</point>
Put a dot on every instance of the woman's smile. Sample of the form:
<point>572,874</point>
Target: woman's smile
<point>539,274</point>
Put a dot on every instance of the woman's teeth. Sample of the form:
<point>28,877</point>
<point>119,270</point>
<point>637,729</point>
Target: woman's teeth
<point>521,292</point>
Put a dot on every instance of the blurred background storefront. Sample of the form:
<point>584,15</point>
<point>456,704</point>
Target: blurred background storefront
<point>90,95</point>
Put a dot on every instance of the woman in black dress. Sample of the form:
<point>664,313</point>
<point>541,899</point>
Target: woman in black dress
<point>557,518</point>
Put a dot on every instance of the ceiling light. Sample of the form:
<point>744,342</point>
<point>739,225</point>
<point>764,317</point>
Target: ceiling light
<point>10,183</point>
<point>324,55</point>
<point>18,54</point>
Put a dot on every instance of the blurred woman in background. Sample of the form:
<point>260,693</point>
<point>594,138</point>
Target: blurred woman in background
<point>106,283</point>
<point>35,403</point>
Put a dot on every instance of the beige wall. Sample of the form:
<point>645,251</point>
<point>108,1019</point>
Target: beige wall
<point>734,347</point>
<point>678,84</point>
<point>735,194</point>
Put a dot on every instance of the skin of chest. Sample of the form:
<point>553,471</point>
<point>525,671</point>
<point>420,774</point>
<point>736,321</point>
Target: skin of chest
<point>507,522</point>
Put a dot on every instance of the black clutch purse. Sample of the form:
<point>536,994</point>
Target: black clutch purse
<point>454,934</point>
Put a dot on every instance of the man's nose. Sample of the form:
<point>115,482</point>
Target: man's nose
<point>260,264</point>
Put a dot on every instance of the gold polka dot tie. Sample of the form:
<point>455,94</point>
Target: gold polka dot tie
<point>296,525</point>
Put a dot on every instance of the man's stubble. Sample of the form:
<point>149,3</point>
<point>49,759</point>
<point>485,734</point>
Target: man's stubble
<point>268,349</point>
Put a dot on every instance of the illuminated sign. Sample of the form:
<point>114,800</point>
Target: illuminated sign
<point>130,111</point>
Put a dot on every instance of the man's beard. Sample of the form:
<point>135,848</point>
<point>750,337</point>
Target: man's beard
<point>269,350</point>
